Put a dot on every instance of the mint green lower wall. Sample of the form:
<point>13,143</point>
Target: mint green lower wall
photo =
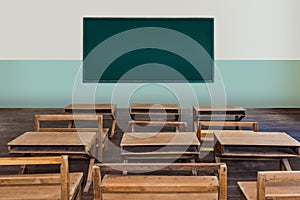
<point>42,83</point>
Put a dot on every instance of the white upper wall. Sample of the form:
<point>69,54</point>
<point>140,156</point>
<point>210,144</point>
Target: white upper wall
<point>244,29</point>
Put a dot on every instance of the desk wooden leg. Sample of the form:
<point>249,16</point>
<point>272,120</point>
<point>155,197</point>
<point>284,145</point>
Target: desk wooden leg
<point>89,177</point>
<point>195,125</point>
<point>113,127</point>
<point>125,172</point>
<point>285,165</point>
<point>22,169</point>
<point>131,128</point>
<point>71,124</point>
<point>237,118</point>
<point>194,172</point>
<point>217,160</point>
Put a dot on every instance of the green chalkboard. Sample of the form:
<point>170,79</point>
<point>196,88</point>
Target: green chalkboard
<point>148,50</point>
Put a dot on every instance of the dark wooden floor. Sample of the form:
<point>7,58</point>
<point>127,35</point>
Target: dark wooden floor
<point>14,122</point>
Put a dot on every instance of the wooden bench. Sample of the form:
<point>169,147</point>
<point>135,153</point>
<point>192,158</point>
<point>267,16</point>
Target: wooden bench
<point>106,110</point>
<point>101,134</point>
<point>177,125</point>
<point>140,186</point>
<point>217,113</point>
<point>273,185</point>
<point>206,129</point>
<point>54,186</point>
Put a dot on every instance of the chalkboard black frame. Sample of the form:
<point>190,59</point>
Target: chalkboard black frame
<point>94,27</point>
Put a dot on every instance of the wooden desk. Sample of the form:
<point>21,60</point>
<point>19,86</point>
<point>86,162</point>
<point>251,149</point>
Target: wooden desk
<point>154,112</point>
<point>61,143</point>
<point>73,144</point>
<point>107,110</point>
<point>145,145</point>
<point>256,145</point>
<point>202,112</point>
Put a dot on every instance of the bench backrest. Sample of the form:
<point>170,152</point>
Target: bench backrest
<point>177,125</point>
<point>153,167</point>
<point>62,117</point>
<point>62,179</point>
<point>267,178</point>
<point>227,124</point>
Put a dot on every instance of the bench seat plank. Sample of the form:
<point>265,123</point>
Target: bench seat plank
<point>41,192</point>
<point>140,183</point>
<point>161,196</point>
<point>276,191</point>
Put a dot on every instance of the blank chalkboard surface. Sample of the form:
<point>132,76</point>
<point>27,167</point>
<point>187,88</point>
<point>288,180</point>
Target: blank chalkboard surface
<point>148,50</point>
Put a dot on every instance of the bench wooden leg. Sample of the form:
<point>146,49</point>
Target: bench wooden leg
<point>285,165</point>
<point>79,194</point>
<point>217,160</point>
<point>113,127</point>
<point>89,177</point>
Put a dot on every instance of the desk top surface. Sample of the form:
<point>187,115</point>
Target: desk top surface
<point>91,107</point>
<point>218,108</point>
<point>250,138</point>
<point>157,139</point>
<point>154,106</point>
<point>54,139</point>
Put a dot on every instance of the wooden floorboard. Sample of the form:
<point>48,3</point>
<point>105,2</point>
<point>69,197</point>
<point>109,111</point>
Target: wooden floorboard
<point>14,122</point>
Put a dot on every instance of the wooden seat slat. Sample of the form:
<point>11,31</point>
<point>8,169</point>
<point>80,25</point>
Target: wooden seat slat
<point>139,183</point>
<point>162,196</point>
